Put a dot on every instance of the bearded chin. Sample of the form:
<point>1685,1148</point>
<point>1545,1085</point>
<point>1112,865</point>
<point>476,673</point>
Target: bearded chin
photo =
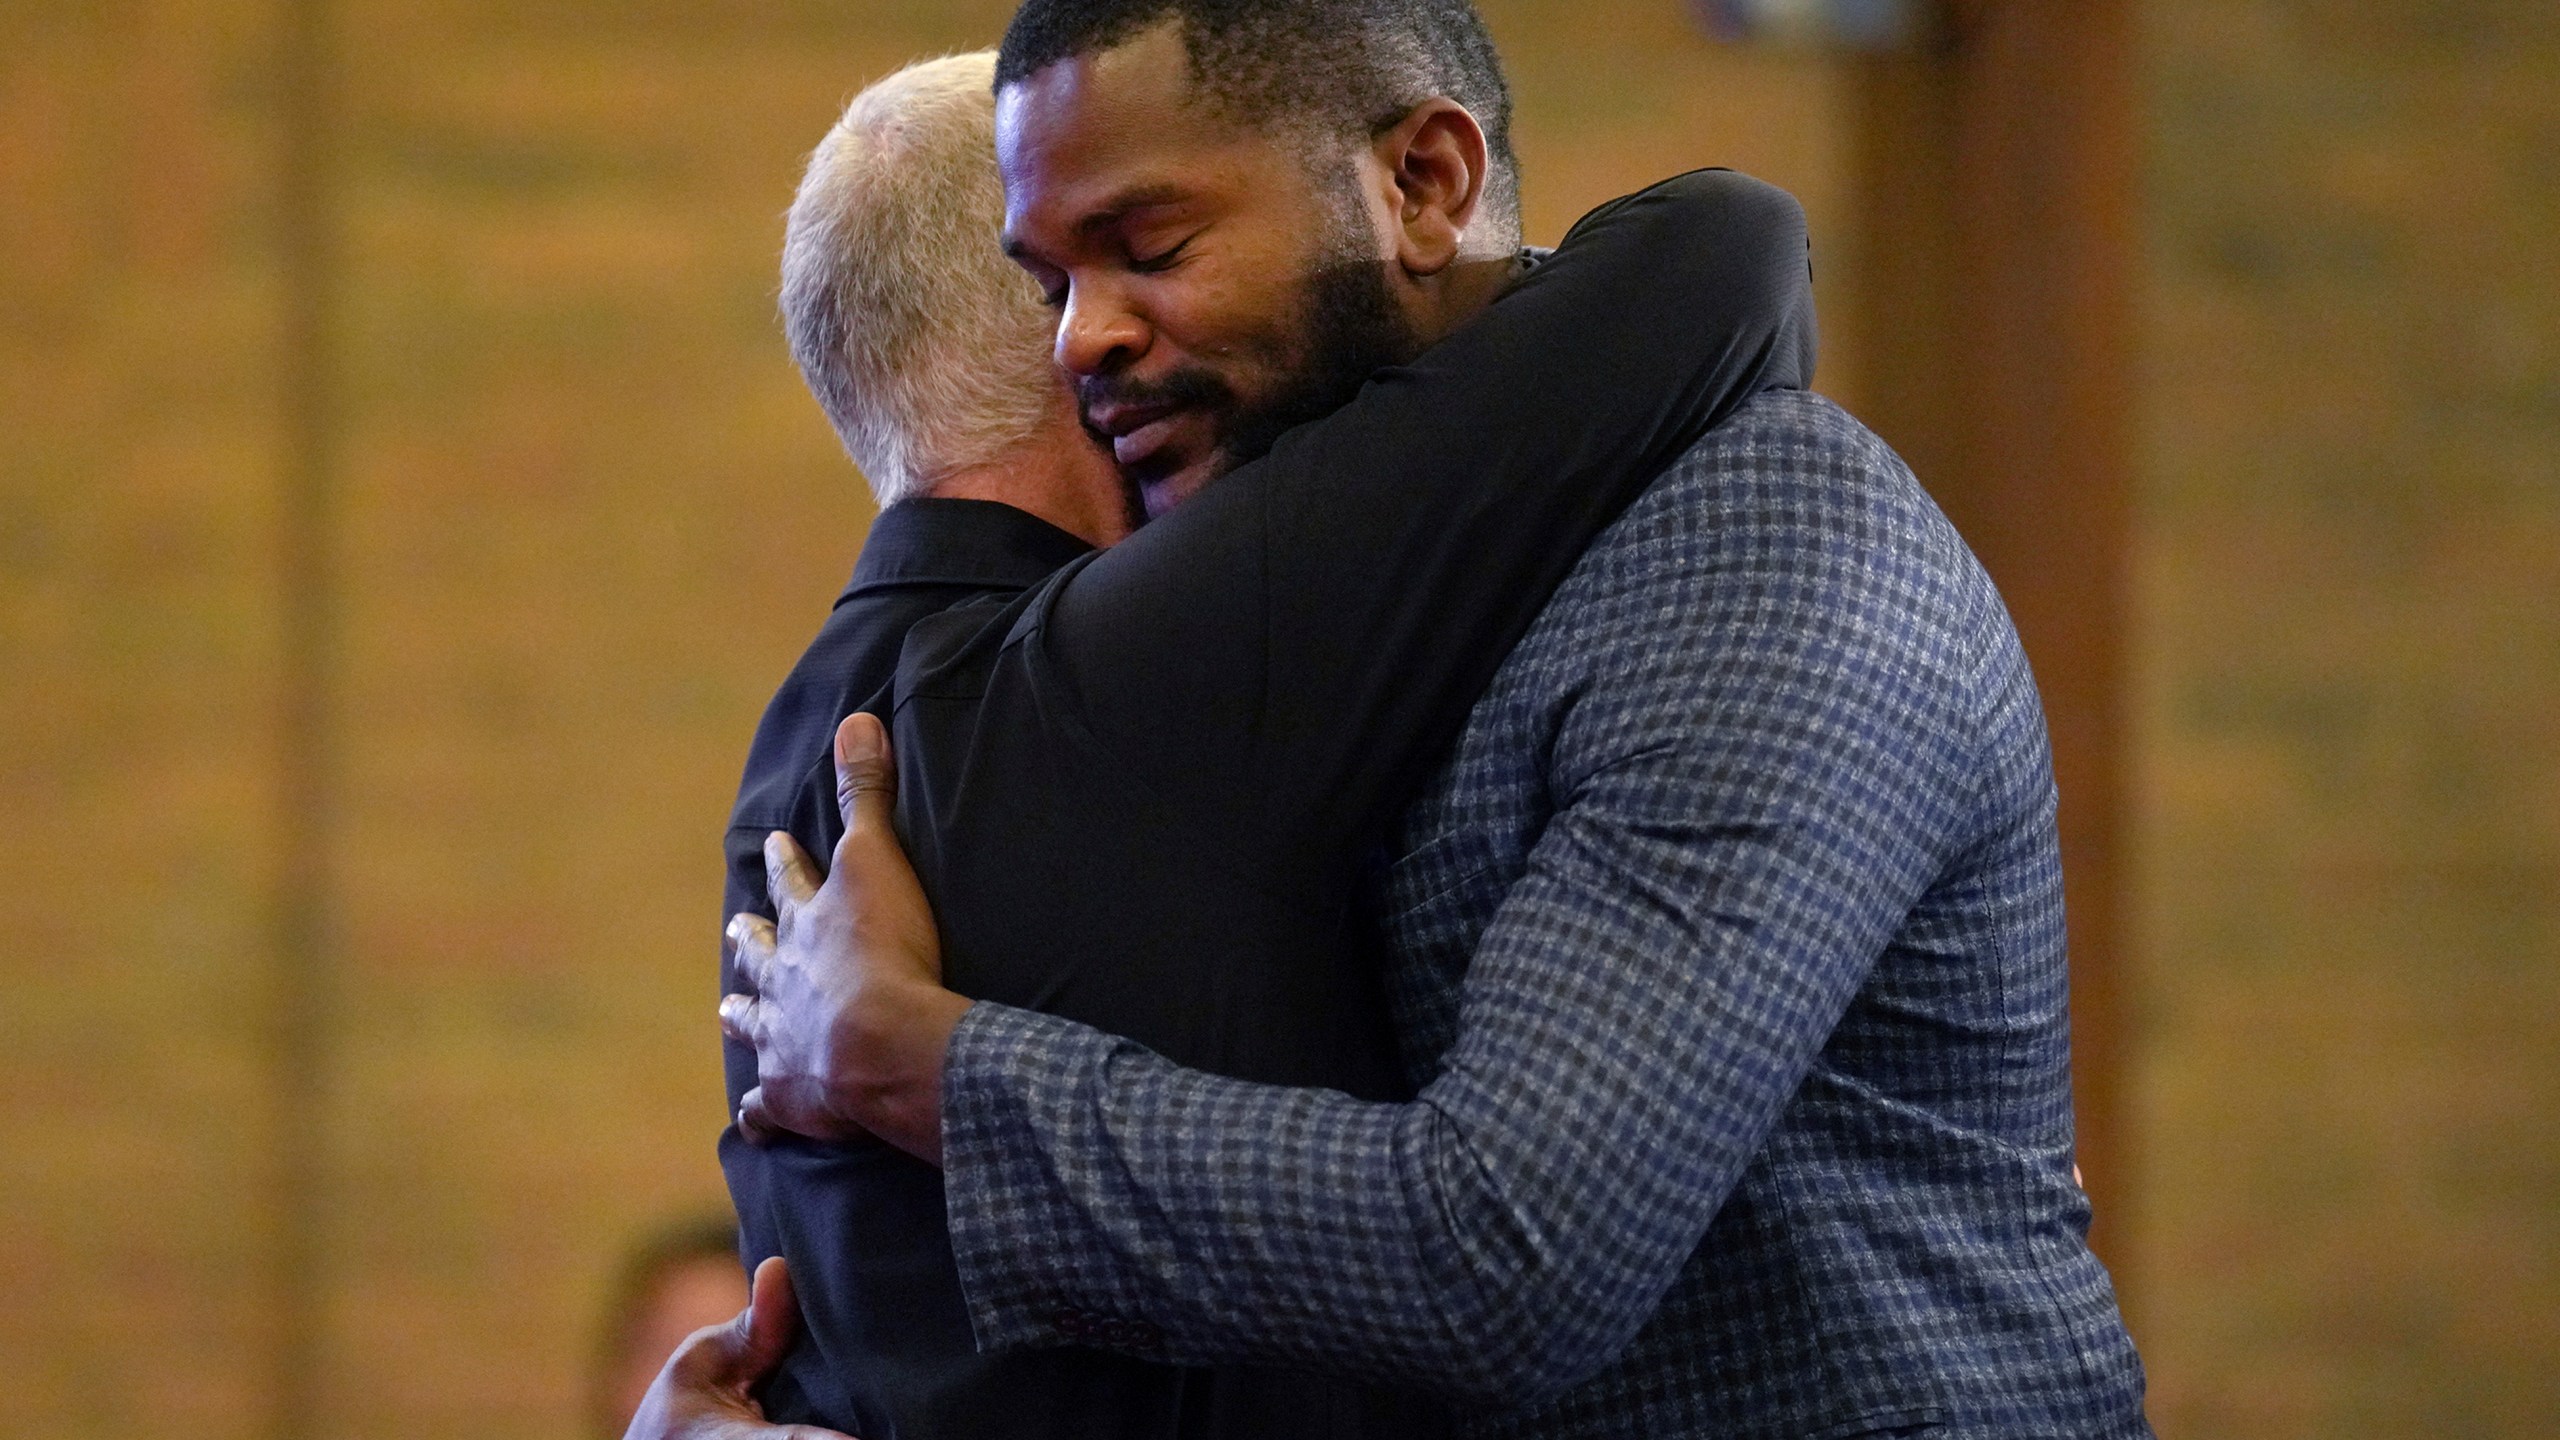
<point>1354,328</point>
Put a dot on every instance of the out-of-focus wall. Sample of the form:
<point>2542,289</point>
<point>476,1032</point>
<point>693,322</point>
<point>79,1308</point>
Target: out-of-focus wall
<point>2349,690</point>
<point>584,517</point>
<point>137,655</point>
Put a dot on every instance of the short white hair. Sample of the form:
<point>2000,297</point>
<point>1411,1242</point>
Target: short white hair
<point>928,349</point>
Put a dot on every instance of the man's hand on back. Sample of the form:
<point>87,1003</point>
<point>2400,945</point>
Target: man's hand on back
<point>842,998</point>
<point>706,1391</point>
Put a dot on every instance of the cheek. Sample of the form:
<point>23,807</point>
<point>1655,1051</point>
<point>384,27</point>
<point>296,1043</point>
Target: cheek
<point>1242,326</point>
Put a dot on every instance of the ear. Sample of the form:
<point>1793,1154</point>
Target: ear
<point>1437,155</point>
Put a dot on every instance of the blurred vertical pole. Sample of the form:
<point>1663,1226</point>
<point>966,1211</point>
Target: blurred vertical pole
<point>307,744</point>
<point>1998,177</point>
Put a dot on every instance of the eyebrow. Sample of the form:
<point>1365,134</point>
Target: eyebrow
<point>1136,197</point>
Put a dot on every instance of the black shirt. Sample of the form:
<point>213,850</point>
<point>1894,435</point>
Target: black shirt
<point>1138,791</point>
<point>886,1347</point>
<point>920,558</point>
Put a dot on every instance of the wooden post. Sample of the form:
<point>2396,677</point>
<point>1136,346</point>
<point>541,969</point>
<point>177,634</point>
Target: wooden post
<point>307,740</point>
<point>1997,245</point>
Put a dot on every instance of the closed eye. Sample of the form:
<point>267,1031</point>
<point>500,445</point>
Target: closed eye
<point>1053,282</point>
<point>1158,263</point>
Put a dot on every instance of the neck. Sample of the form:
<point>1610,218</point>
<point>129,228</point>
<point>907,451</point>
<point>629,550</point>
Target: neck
<point>1069,490</point>
<point>1457,293</point>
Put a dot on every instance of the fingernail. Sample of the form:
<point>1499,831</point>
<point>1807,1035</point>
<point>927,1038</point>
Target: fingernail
<point>859,742</point>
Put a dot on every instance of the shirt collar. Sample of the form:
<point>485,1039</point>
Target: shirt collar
<point>959,542</point>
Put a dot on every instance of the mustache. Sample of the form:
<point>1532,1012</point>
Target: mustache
<point>1185,389</point>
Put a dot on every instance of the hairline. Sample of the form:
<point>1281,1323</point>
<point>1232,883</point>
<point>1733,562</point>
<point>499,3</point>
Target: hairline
<point>1313,147</point>
<point>1311,139</point>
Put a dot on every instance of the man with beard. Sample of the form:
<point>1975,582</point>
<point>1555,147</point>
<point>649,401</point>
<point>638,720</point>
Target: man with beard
<point>1726,949</point>
<point>1660,314</point>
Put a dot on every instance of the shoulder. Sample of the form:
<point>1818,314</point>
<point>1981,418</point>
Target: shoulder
<point>848,665</point>
<point>1790,510</point>
<point>1792,470</point>
<point>1788,565</point>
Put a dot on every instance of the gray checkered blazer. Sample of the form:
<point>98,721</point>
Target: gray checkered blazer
<point>1728,958</point>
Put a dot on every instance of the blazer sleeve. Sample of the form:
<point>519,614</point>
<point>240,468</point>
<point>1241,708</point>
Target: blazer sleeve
<point>1753,787</point>
<point>1285,650</point>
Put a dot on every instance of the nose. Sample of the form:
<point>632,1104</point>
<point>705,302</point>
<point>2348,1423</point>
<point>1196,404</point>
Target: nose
<point>1098,333</point>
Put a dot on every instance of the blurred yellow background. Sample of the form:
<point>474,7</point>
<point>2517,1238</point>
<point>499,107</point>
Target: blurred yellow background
<point>406,505</point>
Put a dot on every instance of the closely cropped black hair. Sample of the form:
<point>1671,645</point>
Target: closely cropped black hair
<point>1342,68</point>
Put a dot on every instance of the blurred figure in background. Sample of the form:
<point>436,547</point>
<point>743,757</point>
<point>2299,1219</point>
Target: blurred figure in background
<point>679,1279</point>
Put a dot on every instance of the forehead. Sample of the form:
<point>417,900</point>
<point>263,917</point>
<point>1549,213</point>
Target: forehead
<point>1090,132</point>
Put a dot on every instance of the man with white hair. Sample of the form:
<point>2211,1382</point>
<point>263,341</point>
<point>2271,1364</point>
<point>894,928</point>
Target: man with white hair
<point>927,349</point>
<point>930,353</point>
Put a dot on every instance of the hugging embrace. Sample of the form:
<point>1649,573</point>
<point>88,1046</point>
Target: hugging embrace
<point>1417,838</point>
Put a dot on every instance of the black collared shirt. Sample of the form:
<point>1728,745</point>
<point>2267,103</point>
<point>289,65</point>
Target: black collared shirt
<point>922,557</point>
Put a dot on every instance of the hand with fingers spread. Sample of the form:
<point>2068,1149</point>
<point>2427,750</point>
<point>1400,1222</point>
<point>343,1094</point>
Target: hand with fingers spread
<point>707,1390</point>
<point>841,997</point>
